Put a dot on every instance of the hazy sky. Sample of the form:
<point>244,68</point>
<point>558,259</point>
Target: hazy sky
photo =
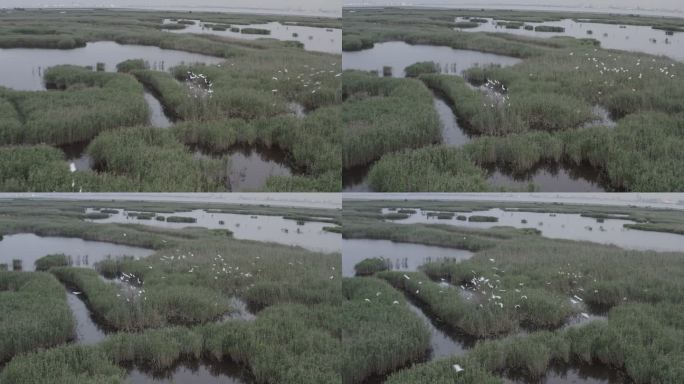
<point>322,7</point>
<point>310,200</point>
<point>656,200</point>
<point>675,5</point>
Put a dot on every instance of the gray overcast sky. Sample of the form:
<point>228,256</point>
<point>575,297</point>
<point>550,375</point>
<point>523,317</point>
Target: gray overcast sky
<point>672,5</point>
<point>312,7</point>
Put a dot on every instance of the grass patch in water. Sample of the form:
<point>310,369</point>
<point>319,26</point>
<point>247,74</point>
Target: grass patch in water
<point>255,31</point>
<point>180,219</point>
<point>51,261</point>
<point>371,266</point>
<point>91,103</point>
<point>483,219</point>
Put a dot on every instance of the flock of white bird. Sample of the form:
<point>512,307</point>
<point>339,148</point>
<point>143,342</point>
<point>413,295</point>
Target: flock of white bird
<point>311,80</point>
<point>199,85</point>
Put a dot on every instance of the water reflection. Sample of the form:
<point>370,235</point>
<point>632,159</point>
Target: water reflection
<point>314,39</point>
<point>23,68</point>
<point>28,248</point>
<point>548,177</point>
<point>565,226</point>
<point>192,372</point>
<point>402,256</point>
<point>613,36</point>
<point>398,55</point>
<point>579,373</point>
<point>309,235</point>
<point>250,167</point>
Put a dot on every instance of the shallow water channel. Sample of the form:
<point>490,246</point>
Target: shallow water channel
<point>28,248</point>
<point>87,331</point>
<point>565,226</point>
<point>327,40</point>
<point>309,235</point>
<point>633,38</point>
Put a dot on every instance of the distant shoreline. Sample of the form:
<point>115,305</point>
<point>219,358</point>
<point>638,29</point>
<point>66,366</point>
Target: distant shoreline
<point>536,8</point>
<point>253,11</point>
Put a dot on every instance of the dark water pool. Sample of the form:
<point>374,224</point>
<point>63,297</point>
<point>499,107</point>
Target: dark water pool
<point>205,371</point>
<point>251,167</point>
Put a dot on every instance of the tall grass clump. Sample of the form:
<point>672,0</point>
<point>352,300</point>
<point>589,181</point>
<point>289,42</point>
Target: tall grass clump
<point>50,261</point>
<point>384,115</point>
<point>68,364</point>
<point>434,169</point>
<point>35,313</point>
<point>92,102</point>
<point>371,266</point>
<point>488,320</point>
<point>151,307</point>
<point>157,160</point>
<point>422,68</point>
<point>372,316</point>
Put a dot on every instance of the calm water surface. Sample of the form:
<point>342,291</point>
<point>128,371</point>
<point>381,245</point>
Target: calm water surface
<point>260,228</point>
<point>83,253</point>
<point>566,226</point>
<point>327,40</point>
<point>613,36</point>
<point>403,256</point>
<point>23,68</point>
<point>399,55</point>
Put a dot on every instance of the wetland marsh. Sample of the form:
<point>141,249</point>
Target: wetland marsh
<point>530,304</point>
<point>111,75</point>
<point>185,303</point>
<point>544,105</point>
